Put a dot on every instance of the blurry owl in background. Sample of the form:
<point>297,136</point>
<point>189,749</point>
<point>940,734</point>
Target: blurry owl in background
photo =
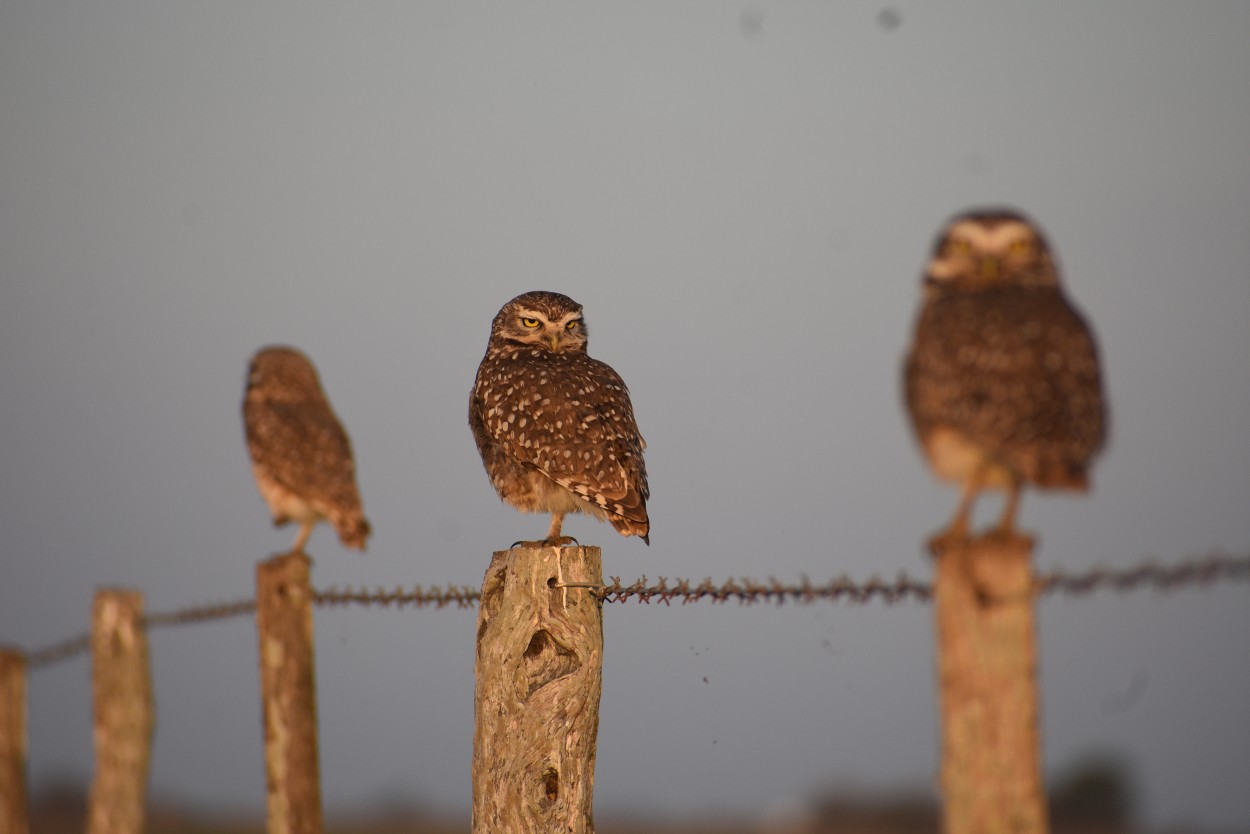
<point>301,456</point>
<point>554,427</point>
<point>1002,381</point>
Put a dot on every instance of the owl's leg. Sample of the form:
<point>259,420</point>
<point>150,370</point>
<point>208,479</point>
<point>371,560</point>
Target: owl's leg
<point>554,539</point>
<point>1007,524</point>
<point>305,530</point>
<point>961,523</point>
<point>958,530</point>
<point>553,533</point>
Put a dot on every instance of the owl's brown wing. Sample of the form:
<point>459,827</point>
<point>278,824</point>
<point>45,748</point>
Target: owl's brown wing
<point>569,416</point>
<point>302,447</point>
<point>1015,370</point>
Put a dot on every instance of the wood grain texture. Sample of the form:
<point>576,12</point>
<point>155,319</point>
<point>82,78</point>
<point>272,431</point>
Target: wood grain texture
<point>288,689</point>
<point>123,713</point>
<point>987,667</point>
<point>14,811</point>
<point>536,705</point>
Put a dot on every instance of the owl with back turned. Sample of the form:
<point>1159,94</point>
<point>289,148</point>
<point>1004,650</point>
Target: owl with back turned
<point>301,456</point>
<point>555,428</point>
<point>1002,380</point>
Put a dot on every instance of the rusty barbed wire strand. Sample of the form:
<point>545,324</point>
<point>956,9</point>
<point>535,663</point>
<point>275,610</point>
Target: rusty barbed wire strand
<point>418,597</point>
<point>1201,570</point>
<point>81,643</point>
<point>56,652</point>
<point>750,591</point>
<point>201,613</point>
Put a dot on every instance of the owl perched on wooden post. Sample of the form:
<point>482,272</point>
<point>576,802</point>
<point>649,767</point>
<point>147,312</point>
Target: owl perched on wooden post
<point>1002,380</point>
<point>301,456</point>
<point>555,428</point>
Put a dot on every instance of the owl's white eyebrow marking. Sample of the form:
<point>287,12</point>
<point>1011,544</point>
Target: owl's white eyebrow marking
<point>991,238</point>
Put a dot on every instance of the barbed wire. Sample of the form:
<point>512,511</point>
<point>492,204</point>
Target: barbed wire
<point>81,643</point>
<point>56,652</point>
<point>750,591</point>
<point>201,613</point>
<point>1201,570</point>
<point>460,597</point>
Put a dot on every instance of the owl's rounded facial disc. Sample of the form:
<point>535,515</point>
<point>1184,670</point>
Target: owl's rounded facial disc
<point>981,251</point>
<point>566,331</point>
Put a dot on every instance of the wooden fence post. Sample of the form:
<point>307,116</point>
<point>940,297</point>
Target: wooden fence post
<point>288,689</point>
<point>14,817</point>
<point>987,666</point>
<point>536,703</point>
<point>122,690</point>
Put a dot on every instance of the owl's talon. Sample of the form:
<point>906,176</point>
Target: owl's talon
<point>559,541</point>
<point>952,537</point>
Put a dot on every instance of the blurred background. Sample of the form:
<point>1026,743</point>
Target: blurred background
<point>742,196</point>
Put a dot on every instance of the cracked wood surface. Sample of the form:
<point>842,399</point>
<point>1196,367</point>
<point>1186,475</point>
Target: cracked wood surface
<point>536,705</point>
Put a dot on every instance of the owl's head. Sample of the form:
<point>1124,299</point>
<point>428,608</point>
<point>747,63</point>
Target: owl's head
<point>280,372</point>
<point>986,248</point>
<point>547,320</point>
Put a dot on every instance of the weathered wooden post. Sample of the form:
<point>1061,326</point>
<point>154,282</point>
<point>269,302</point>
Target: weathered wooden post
<point>987,665</point>
<point>288,690</point>
<point>122,691</point>
<point>536,703</point>
<point>14,817</point>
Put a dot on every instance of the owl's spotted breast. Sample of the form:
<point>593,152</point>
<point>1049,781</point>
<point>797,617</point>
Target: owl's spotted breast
<point>1002,381</point>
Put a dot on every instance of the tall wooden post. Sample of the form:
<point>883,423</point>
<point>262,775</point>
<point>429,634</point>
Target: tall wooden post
<point>14,817</point>
<point>536,704</point>
<point>288,689</point>
<point>122,691</point>
<point>987,665</point>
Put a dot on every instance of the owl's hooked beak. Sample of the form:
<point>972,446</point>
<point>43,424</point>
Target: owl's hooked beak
<point>555,342</point>
<point>990,267</point>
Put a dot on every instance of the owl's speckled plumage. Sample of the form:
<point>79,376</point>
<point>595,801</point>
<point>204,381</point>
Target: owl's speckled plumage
<point>301,456</point>
<point>555,427</point>
<point>1002,381</point>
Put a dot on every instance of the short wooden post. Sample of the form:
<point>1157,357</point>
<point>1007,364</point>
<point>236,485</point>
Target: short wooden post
<point>536,705</point>
<point>14,817</point>
<point>288,689</point>
<point>122,690</point>
<point>987,664</point>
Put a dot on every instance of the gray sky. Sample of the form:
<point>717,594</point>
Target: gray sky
<point>742,197</point>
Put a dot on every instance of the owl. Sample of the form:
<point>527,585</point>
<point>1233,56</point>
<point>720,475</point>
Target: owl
<point>301,456</point>
<point>1002,381</point>
<point>554,427</point>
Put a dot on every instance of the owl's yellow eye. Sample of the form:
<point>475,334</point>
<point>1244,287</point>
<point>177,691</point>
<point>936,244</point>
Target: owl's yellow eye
<point>573,325</point>
<point>958,246</point>
<point>1020,249</point>
<point>529,322</point>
